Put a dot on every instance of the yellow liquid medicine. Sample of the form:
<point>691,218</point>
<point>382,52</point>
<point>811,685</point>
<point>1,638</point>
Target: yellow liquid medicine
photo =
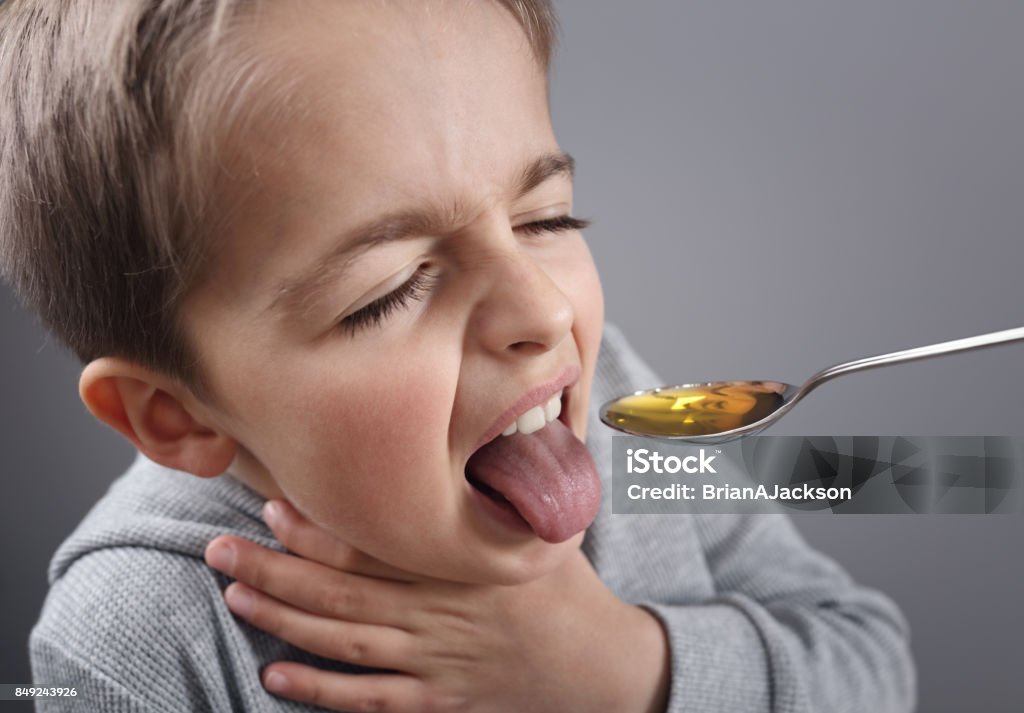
<point>697,410</point>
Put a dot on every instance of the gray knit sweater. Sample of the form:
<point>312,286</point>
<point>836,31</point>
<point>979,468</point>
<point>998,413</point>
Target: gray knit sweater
<point>757,620</point>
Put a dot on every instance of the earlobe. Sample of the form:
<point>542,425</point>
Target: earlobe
<point>144,407</point>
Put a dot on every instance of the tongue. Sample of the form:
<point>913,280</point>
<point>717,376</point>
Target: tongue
<point>548,476</point>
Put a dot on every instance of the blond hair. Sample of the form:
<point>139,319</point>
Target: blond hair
<point>111,116</point>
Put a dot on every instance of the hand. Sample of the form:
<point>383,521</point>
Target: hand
<point>561,643</point>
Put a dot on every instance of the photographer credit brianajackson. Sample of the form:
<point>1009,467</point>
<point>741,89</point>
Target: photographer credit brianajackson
<point>642,461</point>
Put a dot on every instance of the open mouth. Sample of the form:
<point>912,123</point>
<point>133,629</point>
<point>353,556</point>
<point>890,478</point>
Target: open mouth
<point>539,477</point>
<point>496,496</point>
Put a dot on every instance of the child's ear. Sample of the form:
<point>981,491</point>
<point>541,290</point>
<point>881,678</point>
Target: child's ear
<point>148,409</point>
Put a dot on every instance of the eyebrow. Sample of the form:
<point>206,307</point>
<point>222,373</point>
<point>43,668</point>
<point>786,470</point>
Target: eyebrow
<point>300,292</point>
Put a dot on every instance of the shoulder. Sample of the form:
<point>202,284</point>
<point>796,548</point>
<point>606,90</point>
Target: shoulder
<point>110,591</point>
<point>133,617</point>
<point>141,628</point>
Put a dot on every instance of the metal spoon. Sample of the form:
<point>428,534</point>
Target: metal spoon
<point>719,411</point>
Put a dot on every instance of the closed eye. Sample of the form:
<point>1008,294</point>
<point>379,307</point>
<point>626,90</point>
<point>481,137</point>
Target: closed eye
<point>553,225</point>
<point>419,285</point>
<point>415,288</point>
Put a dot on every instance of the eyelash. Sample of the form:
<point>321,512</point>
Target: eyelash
<point>415,288</point>
<point>419,285</point>
<point>554,225</point>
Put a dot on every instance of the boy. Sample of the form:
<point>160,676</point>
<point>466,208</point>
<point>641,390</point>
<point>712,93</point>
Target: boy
<point>324,252</point>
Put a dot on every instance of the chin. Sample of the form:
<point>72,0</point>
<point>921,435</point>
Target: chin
<point>541,559</point>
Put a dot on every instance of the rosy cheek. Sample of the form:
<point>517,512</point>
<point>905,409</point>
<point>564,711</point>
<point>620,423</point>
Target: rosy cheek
<point>384,425</point>
<point>578,279</point>
<point>584,289</point>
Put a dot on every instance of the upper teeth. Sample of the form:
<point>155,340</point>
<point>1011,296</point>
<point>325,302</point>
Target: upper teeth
<point>537,417</point>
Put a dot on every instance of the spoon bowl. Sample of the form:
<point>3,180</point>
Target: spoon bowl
<point>705,413</point>
<point>719,411</point>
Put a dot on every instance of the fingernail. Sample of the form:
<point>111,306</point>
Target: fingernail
<point>276,682</point>
<point>240,601</point>
<point>221,556</point>
<point>271,512</point>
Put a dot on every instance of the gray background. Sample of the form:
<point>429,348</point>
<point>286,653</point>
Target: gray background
<point>776,187</point>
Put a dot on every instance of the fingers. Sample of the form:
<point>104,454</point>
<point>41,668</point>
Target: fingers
<point>356,693</point>
<point>309,585</point>
<point>361,644</point>
<point>306,539</point>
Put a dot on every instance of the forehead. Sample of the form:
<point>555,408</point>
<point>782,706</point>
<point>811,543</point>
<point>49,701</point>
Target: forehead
<point>364,75</point>
<point>391,104</point>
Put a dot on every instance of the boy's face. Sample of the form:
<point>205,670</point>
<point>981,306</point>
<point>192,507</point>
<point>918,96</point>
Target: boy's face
<point>362,408</point>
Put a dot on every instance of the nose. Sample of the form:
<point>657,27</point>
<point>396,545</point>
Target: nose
<point>523,310</point>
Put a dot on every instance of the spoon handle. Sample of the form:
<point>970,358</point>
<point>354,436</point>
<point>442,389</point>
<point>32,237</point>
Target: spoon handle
<point>932,350</point>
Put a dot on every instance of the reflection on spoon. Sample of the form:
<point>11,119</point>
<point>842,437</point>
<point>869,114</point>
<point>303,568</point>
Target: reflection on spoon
<point>695,409</point>
<point>719,411</point>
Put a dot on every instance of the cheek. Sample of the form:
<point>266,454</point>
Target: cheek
<point>580,282</point>
<point>367,443</point>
